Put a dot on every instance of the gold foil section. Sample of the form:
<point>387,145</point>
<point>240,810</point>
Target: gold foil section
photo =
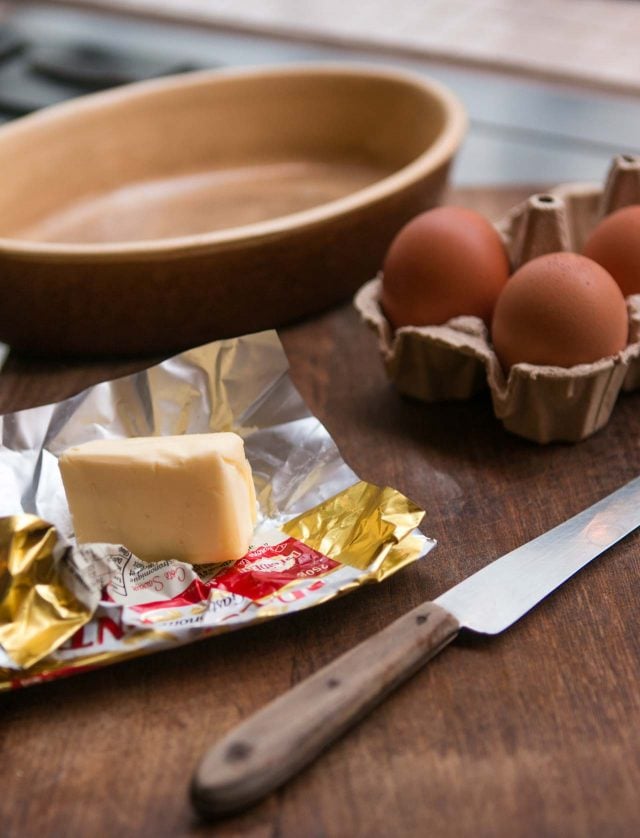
<point>37,610</point>
<point>364,526</point>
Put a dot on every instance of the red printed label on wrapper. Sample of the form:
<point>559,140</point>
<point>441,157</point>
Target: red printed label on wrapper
<point>265,570</point>
<point>262,572</point>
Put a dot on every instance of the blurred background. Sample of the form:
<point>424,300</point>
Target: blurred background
<point>552,87</point>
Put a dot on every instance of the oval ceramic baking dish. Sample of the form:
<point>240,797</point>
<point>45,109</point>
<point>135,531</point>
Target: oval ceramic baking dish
<point>171,212</point>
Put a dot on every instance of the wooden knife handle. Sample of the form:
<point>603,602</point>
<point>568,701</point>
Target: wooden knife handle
<point>276,742</point>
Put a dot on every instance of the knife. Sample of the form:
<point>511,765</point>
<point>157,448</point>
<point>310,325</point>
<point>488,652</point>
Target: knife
<point>272,745</point>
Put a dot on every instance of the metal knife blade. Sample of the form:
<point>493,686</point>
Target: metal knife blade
<point>496,596</point>
<point>273,744</point>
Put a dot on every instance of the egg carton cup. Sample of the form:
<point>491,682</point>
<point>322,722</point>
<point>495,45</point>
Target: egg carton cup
<point>456,360</point>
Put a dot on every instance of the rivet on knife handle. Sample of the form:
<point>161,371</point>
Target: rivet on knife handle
<point>277,741</point>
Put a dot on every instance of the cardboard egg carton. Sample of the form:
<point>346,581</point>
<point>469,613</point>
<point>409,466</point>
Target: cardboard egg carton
<point>456,360</point>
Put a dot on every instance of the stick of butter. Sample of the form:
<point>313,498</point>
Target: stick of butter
<point>187,497</point>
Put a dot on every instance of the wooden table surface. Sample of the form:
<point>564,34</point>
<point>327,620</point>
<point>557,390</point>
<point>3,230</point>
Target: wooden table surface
<point>532,733</point>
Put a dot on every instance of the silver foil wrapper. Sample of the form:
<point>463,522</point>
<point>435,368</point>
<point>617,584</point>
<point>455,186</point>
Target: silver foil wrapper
<point>321,532</point>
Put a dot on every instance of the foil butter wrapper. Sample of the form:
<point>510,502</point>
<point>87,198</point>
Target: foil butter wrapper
<point>321,532</point>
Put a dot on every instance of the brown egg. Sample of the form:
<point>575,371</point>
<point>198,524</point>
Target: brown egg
<point>615,244</point>
<point>561,309</point>
<point>445,262</point>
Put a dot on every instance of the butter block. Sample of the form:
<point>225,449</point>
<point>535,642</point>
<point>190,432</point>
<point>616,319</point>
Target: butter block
<point>187,497</point>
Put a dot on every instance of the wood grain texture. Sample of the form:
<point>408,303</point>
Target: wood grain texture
<point>533,733</point>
